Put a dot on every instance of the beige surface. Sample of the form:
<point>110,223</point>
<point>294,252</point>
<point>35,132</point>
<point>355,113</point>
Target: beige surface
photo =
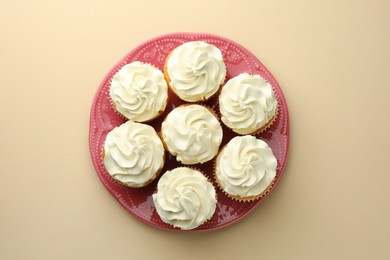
<point>331,59</point>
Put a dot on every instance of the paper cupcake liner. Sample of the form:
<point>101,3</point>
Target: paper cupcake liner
<point>237,197</point>
<point>267,125</point>
<point>253,198</point>
<point>117,112</point>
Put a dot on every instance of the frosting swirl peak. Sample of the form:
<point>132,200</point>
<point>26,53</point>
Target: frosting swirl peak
<point>139,92</point>
<point>196,70</point>
<point>184,198</point>
<point>247,103</point>
<point>192,133</point>
<point>133,154</point>
<point>245,167</point>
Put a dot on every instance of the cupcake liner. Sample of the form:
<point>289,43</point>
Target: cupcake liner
<point>237,197</point>
<point>253,198</point>
<point>116,111</point>
<point>267,125</point>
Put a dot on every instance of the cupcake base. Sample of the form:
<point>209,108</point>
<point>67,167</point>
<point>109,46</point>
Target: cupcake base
<point>244,199</point>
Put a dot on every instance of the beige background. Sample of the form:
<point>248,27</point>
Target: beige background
<point>331,59</point>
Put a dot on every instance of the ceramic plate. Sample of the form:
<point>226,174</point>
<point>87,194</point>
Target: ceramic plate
<point>103,119</point>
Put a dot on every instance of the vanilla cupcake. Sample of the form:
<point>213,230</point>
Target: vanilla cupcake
<point>245,168</point>
<point>139,92</point>
<point>195,71</point>
<point>133,154</point>
<point>184,198</point>
<point>247,104</point>
<point>192,133</point>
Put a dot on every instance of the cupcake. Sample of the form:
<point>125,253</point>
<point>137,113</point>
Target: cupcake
<point>192,133</point>
<point>247,104</point>
<point>133,154</point>
<point>245,168</point>
<point>139,92</point>
<point>195,71</point>
<point>184,198</point>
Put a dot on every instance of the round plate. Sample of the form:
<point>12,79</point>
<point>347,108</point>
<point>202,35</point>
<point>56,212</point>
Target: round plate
<point>103,119</point>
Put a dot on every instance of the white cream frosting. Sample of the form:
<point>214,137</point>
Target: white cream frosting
<point>245,167</point>
<point>139,91</point>
<point>247,103</point>
<point>133,154</point>
<point>184,198</point>
<point>192,133</point>
<point>196,70</point>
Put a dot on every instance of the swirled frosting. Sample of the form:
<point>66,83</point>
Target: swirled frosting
<point>195,70</point>
<point>133,154</point>
<point>247,103</point>
<point>139,91</point>
<point>192,133</point>
<point>245,167</point>
<point>184,198</point>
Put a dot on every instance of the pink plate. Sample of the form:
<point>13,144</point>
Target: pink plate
<point>103,119</point>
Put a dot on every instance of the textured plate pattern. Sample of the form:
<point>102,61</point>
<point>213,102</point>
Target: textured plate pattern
<point>103,118</point>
